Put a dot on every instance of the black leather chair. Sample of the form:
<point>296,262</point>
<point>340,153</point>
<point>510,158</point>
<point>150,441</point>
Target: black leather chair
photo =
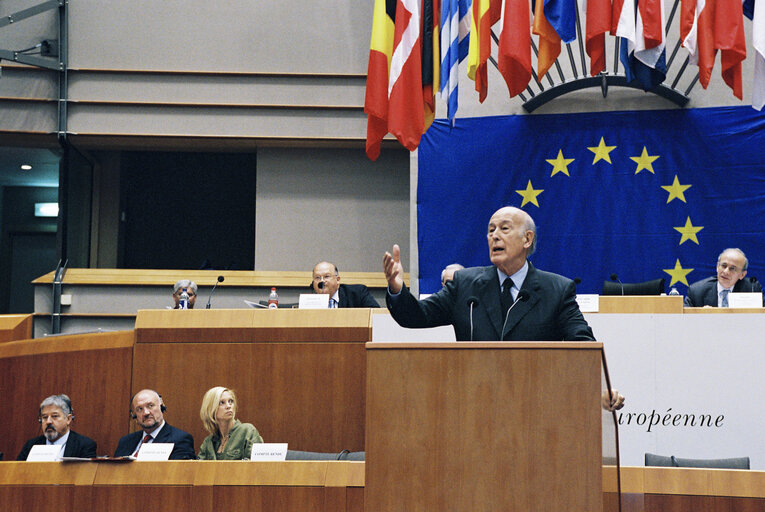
<point>652,459</point>
<point>655,287</point>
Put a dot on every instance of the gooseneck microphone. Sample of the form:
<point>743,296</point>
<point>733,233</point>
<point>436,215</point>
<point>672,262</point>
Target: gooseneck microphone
<point>577,281</point>
<point>752,282</point>
<point>472,301</point>
<point>220,280</point>
<point>522,296</point>
<point>320,285</point>
<point>614,277</point>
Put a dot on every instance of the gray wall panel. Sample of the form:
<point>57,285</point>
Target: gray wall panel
<point>317,204</point>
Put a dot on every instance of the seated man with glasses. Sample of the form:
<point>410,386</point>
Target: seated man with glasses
<point>326,279</point>
<point>713,291</point>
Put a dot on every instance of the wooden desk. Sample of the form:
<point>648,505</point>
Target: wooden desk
<point>15,327</point>
<point>201,486</point>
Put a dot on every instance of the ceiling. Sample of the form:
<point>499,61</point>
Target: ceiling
<point>44,164</point>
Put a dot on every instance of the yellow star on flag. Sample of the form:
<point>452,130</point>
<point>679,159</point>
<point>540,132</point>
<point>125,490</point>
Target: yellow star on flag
<point>644,161</point>
<point>678,273</point>
<point>529,195</point>
<point>602,151</point>
<point>560,164</point>
<point>676,190</point>
<point>689,232</point>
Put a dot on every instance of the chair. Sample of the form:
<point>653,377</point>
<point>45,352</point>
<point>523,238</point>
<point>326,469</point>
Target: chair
<point>301,455</point>
<point>655,287</point>
<point>652,459</point>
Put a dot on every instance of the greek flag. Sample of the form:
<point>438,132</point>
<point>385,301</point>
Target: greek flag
<point>455,38</point>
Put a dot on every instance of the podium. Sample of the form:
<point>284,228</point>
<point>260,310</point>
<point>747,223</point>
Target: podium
<point>483,426</point>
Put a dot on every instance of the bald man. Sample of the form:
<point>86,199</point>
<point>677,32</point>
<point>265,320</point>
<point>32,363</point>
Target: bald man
<point>148,410</point>
<point>732,265</point>
<point>531,306</point>
<point>326,279</point>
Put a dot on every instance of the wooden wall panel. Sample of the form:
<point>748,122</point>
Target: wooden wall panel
<point>309,395</point>
<point>94,370</point>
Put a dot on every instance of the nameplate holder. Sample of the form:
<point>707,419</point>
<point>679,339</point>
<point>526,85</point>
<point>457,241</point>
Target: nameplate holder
<point>588,302</point>
<point>44,453</point>
<point>745,300</point>
<point>155,451</point>
<point>268,452</point>
<point>313,301</point>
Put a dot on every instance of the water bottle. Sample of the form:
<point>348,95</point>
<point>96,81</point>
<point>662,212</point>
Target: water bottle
<point>273,299</point>
<point>674,291</point>
<point>183,303</point>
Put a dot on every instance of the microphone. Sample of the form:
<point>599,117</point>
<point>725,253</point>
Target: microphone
<point>577,281</point>
<point>752,282</point>
<point>522,296</point>
<point>614,277</point>
<point>472,301</point>
<point>320,285</point>
<point>220,280</point>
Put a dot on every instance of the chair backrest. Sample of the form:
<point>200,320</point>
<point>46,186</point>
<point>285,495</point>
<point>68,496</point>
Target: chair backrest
<point>300,455</point>
<point>652,459</point>
<point>654,287</point>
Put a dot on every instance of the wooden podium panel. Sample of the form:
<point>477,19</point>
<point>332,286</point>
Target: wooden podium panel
<point>93,369</point>
<point>15,327</point>
<point>299,374</point>
<point>484,426</point>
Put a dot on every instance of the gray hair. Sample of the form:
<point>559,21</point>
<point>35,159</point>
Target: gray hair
<point>531,226</point>
<point>746,261</point>
<point>453,266</point>
<point>61,401</point>
<point>185,283</point>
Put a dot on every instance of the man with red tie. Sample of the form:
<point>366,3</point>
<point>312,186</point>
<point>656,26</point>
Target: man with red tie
<point>147,409</point>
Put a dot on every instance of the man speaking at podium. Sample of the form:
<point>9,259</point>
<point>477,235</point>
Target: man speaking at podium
<point>509,301</point>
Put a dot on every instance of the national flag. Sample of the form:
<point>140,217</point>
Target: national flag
<point>514,61</point>
<point>405,108</point>
<point>380,51</point>
<point>598,23</point>
<point>455,39</point>
<point>431,59</point>
<point>648,66</point>
<point>651,12</point>
<point>485,14</point>
<point>756,13</point>
<point>549,40</point>
<point>718,25</point>
<point>561,14</point>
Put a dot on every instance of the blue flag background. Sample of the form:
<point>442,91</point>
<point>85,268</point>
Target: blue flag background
<point>644,194</point>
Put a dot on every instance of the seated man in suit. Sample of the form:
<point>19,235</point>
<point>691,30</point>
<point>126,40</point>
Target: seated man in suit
<point>56,416</point>
<point>713,291</point>
<point>326,279</point>
<point>191,290</point>
<point>447,274</point>
<point>147,410</point>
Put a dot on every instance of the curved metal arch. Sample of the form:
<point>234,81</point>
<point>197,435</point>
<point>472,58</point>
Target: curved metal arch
<point>604,82</point>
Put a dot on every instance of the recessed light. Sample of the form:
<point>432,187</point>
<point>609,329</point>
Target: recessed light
<point>26,167</point>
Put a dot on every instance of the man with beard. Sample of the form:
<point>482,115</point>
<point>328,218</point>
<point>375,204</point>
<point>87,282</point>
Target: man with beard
<point>55,418</point>
<point>147,409</point>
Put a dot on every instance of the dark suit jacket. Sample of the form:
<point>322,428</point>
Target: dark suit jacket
<point>550,313</point>
<point>183,449</point>
<point>355,296</point>
<point>76,446</point>
<point>704,292</point>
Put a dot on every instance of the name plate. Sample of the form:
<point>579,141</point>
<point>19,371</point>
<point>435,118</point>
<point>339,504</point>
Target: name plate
<point>745,300</point>
<point>588,302</point>
<point>269,452</point>
<point>44,453</point>
<point>155,451</point>
<point>313,301</point>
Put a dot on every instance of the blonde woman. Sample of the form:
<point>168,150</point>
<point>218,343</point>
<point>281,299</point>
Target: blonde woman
<point>229,438</point>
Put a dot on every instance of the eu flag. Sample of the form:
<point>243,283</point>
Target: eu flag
<point>644,194</point>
